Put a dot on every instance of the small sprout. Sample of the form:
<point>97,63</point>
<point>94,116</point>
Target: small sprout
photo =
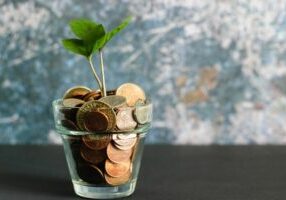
<point>91,39</point>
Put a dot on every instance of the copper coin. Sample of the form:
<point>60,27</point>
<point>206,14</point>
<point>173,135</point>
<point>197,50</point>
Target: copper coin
<point>95,106</point>
<point>96,142</point>
<point>117,169</point>
<point>69,124</point>
<point>76,92</point>
<point>116,155</point>
<point>140,102</point>
<point>124,119</point>
<point>97,170</point>
<point>111,92</point>
<point>135,149</point>
<point>114,101</point>
<point>92,156</point>
<point>93,95</point>
<point>132,92</point>
<point>95,121</point>
<point>69,113</point>
<point>117,180</point>
<point>90,174</point>
<point>72,102</point>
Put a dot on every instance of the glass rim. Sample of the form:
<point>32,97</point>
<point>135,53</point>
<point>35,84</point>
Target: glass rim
<point>141,129</point>
<point>57,103</point>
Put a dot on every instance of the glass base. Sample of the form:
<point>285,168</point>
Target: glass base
<point>93,192</point>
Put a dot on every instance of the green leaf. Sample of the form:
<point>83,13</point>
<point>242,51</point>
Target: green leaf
<point>82,27</point>
<point>87,30</point>
<point>108,36</point>
<point>98,33</point>
<point>76,46</point>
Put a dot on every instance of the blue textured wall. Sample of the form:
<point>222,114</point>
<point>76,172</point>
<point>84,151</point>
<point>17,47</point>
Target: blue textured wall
<point>215,69</point>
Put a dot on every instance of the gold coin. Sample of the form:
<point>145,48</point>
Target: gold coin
<point>117,180</point>
<point>143,114</point>
<point>114,101</point>
<point>124,119</point>
<point>72,102</point>
<point>117,169</point>
<point>95,121</point>
<point>132,92</point>
<point>76,92</point>
<point>116,155</point>
<point>92,156</point>
<point>95,106</point>
<point>92,95</point>
<point>96,142</point>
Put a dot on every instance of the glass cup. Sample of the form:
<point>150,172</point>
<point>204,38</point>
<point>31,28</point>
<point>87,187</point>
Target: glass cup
<point>102,165</point>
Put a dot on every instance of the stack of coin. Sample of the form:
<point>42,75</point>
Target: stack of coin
<point>104,155</point>
<point>122,110</point>
<point>104,159</point>
<point>118,166</point>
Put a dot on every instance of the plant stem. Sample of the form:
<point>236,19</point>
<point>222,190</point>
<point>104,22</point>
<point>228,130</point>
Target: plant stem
<point>102,74</point>
<point>94,73</point>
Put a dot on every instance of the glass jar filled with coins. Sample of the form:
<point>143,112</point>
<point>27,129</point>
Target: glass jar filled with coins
<point>103,138</point>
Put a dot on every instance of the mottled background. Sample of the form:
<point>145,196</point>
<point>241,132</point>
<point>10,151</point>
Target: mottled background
<point>216,70</point>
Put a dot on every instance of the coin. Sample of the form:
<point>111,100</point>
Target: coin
<point>76,92</point>
<point>143,114</point>
<point>124,144</point>
<point>95,121</point>
<point>69,124</point>
<point>69,113</point>
<point>111,92</point>
<point>125,147</point>
<point>116,169</point>
<point>92,95</point>
<point>125,136</point>
<point>135,150</point>
<point>72,102</point>
<point>132,92</point>
<point>114,101</point>
<point>124,119</point>
<point>97,170</point>
<point>75,144</point>
<point>117,180</point>
<point>90,174</point>
<point>140,102</point>
<point>96,142</point>
<point>92,156</point>
<point>116,155</point>
<point>93,106</point>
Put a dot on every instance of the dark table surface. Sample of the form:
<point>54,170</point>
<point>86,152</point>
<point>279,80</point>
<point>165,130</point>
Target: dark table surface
<point>167,172</point>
